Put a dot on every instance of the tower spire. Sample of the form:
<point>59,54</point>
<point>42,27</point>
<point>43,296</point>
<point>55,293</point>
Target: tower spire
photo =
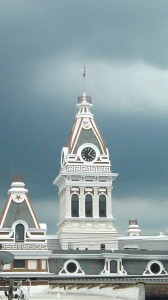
<point>85,185</point>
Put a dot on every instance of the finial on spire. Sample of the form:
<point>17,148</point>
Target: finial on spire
<point>84,98</point>
<point>17,178</point>
<point>84,77</point>
<point>84,70</point>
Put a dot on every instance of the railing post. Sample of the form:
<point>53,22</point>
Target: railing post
<point>11,285</point>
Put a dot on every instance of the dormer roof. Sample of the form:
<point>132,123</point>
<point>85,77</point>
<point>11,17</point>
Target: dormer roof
<point>18,206</point>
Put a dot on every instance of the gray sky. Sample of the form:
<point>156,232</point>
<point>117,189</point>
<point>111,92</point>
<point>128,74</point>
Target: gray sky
<point>124,44</point>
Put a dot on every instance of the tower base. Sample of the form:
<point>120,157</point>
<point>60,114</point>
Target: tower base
<point>95,234</point>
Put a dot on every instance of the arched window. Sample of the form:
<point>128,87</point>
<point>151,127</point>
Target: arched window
<point>88,206</point>
<point>75,205</point>
<point>19,233</point>
<point>102,205</point>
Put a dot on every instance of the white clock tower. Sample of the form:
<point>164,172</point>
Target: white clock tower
<point>85,187</point>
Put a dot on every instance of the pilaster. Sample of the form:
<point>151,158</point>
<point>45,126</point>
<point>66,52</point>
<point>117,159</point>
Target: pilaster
<point>109,203</point>
<point>68,202</point>
<point>82,203</point>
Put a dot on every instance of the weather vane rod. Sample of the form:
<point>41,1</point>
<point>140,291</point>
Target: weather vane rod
<point>84,78</point>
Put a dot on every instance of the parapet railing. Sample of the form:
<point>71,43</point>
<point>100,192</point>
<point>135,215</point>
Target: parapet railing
<point>25,246</point>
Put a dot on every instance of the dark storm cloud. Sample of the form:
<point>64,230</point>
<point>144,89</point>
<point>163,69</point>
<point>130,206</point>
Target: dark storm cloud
<point>43,46</point>
<point>122,30</point>
<point>138,149</point>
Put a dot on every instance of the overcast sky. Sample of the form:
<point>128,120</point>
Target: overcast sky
<point>124,44</point>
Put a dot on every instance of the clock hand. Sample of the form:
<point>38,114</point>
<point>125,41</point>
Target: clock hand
<point>89,154</point>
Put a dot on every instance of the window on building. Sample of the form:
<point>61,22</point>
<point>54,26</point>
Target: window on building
<point>155,268</point>
<point>19,233</point>
<point>71,267</point>
<point>7,267</point>
<point>75,205</point>
<point>88,206</point>
<point>43,264</point>
<point>113,266</point>
<point>19,264</point>
<point>32,264</point>
<point>102,205</point>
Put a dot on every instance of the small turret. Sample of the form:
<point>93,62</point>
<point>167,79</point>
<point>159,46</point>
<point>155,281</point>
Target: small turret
<point>133,228</point>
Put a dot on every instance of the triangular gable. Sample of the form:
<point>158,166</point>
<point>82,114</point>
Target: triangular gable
<point>80,135</point>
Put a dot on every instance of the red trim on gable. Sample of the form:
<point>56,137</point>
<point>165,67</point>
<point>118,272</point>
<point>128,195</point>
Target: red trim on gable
<point>72,146</point>
<point>30,202</point>
<point>4,210</point>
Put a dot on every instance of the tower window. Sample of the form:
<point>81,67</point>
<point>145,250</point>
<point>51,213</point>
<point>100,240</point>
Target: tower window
<point>102,205</point>
<point>88,205</point>
<point>19,233</point>
<point>75,205</point>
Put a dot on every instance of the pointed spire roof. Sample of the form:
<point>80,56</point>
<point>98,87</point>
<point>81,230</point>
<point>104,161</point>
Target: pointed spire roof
<point>84,129</point>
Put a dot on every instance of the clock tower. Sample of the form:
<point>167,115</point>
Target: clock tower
<point>85,186</point>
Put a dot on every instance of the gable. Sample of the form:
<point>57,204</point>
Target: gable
<point>18,212</point>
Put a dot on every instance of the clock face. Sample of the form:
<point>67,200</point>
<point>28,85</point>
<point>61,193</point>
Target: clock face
<point>86,123</point>
<point>64,156</point>
<point>88,154</point>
